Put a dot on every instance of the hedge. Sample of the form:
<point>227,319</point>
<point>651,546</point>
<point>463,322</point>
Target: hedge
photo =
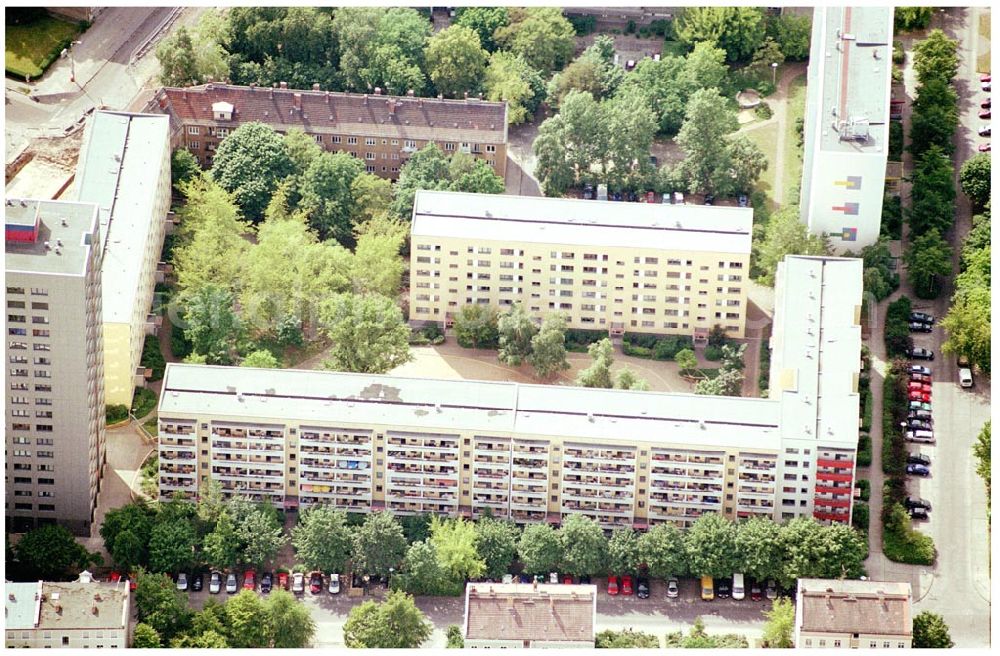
<point>894,410</point>
<point>152,358</point>
<point>578,339</point>
<point>115,413</point>
<point>860,519</point>
<point>865,487</point>
<point>864,458</point>
<point>658,347</point>
<point>713,353</point>
<point>180,345</point>
<point>143,402</point>
<point>866,412</point>
<point>897,327</point>
<point>764,378</point>
<point>901,543</point>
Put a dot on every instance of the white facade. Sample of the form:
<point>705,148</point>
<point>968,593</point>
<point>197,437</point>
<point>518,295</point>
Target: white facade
<point>846,129</point>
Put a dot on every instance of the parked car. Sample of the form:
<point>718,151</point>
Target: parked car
<point>197,581</point>
<point>985,113</point>
<point>627,585</point>
<point>334,586</point>
<point>553,577</point>
<point>920,405</point>
<point>615,196</point>
<point>298,583</point>
<point>678,198</point>
<point>921,327</point>
<point>920,396</point>
<point>918,387</point>
<point>985,86</point>
<point>985,77</point>
<point>965,377</point>
<point>215,583</point>
<point>920,369</point>
<point>567,579</point>
<point>231,583</point>
<point>920,353</point>
<point>985,104</point>
<point>739,592</point>
<point>584,580</point>
<point>630,64</point>
<point>315,582</point>
<point>667,199</point>
<point>672,589</point>
<point>283,580</point>
<point>588,192</point>
<point>650,197</point>
<point>984,148</point>
<point>922,317</point>
<point>984,130</point>
<point>921,378</point>
<point>250,580</point>
<point>918,513</point>
<point>707,588</point>
<point>918,459</point>
<point>919,424</point>
<point>755,594</point>
<point>722,589</point>
<point>182,582</point>
<point>612,585</point>
<point>710,199</point>
<point>916,502</point>
<point>642,588</point>
<point>742,200</point>
<point>924,436</point>
<point>919,414</point>
<point>771,591</point>
<point>918,470</point>
<point>266,582</point>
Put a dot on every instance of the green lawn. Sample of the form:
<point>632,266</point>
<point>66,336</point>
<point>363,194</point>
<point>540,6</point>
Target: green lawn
<point>31,47</point>
<point>793,153</point>
<point>983,60</point>
<point>766,139</point>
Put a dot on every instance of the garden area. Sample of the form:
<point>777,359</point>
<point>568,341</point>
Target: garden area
<point>33,40</point>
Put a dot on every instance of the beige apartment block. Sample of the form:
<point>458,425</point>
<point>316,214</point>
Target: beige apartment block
<point>382,130</point>
<point>835,614</point>
<point>124,167</point>
<point>619,267</point>
<point>55,399</point>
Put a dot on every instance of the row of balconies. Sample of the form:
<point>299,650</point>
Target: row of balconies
<point>696,459</point>
<point>421,469</point>
<point>181,442</point>
<point>176,429</point>
<point>757,465</point>
<point>599,467</point>
<point>326,490</point>
<point>584,493</point>
<point>308,500</point>
<point>423,443</point>
<point>417,456</point>
<point>683,474</point>
<point>334,438</point>
<point>599,454</point>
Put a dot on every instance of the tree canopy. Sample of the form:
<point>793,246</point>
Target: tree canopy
<point>250,163</point>
<point>395,623</point>
<point>367,331</point>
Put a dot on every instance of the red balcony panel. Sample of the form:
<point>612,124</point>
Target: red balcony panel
<point>836,464</point>
<point>833,517</point>
<point>830,489</point>
<point>827,476</point>
<point>832,503</point>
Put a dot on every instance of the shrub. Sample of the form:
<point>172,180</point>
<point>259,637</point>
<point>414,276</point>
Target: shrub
<point>763,111</point>
<point>897,327</point>
<point>180,345</point>
<point>894,410</point>
<point>901,543</point>
<point>116,413</point>
<point>152,358</point>
<point>864,457</point>
<point>432,331</point>
<point>866,412</point>
<point>667,347</point>
<point>860,518</point>
<point>578,339</point>
<point>637,351</point>
<point>892,217</point>
<point>898,54</point>
<point>143,402</point>
<point>764,377</point>
<point>717,336</point>
<point>866,488</point>
<point>583,25</point>
<point>895,141</point>
<point>646,340</point>
<point>713,353</point>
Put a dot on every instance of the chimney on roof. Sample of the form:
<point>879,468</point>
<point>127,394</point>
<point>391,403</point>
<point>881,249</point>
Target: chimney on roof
<point>392,107</point>
<point>409,92</point>
<point>270,92</point>
<point>184,94</point>
<point>253,85</point>
<point>315,86</point>
<point>297,101</point>
<point>366,99</point>
<point>378,91</point>
<point>466,95</point>
<point>283,85</point>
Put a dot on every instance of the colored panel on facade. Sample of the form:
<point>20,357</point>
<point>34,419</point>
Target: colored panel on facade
<point>853,182</point>
<point>849,234</point>
<point>850,209</point>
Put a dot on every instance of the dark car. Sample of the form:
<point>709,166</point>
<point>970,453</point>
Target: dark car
<point>588,192</point>
<point>631,197</point>
<point>916,502</point>
<point>722,588</point>
<point>984,148</point>
<point>922,317</point>
<point>526,578</point>
<point>918,470</point>
<point>742,200</point>
<point>984,113</point>
<point>920,424</point>
<point>918,513</point>
<point>985,104</point>
<point>919,369</point>
<point>710,199</point>
<point>616,196</point>
<point>918,459</point>
<point>921,327</point>
<point>920,353</point>
<point>755,594</point>
<point>197,581</point>
<point>315,582</point>
<point>642,588</point>
<point>584,580</point>
<point>266,582</point>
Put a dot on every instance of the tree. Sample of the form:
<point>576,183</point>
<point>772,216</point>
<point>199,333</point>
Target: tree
<point>211,502</point>
<point>322,539</point>
<point>171,546</point>
<point>485,21</point>
<point>261,538</point>
<point>981,451</point>
<point>416,527</point>
<point>221,546</point>
<point>792,33</point>
<point>702,137</point>
<point>540,548</point>
<point>291,625</point>
<point>908,19</point>
<point>379,545</point>
<point>262,359</point>
<point>846,551</point>
<point>623,550</point>
<point>554,169</point>
<point>380,47</point>
<point>541,35</point>
<point>686,360</point>
<point>933,192</point>
<point>510,78</point>
<point>975,179</point>
<point>594,71</point>
<point>49,552</point>
<point>477,326</point>
<point>367,331</point>
<point>737,30</point>
<point>598,374</point>
<point>804,547</point>
<point>377,267</point>
<point>759,548</point>
<point>747,162</point>
<point>928,262</point>
<point>496,543</point>
<point>327,195</point>
<point>213,327</point>
<point>183,167</point>
<point>935,57</point>
<point>455,639</point>
<point>628,380</point>
<point>663,552</point>
<point>206,640</point>
<point>372,197</point>
<point>727,383</point>
<point>516,330</point>
<point>930,631</point>
<point>456,61</point>
<point>211,617</point>
<point>584,547</point>
<point>626,639</point>
<point>780,627</point>
<point>710,544</point>
<point>247,621</point>
<point>125,531</point>
<point>178,67</point>
<point>145,637</point>
<point>429,168</point>
<point>454,541</point>
<point>785,235</point>
<point>423,574</point>
<point>161,605</point>
<point>548,347</point>
<point>250,163</point>
<point>396,623</point>
<point>934,116</point>
<point>631,125</point>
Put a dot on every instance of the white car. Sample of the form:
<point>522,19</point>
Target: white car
<point>739,591</point>
<point>334,587</point>
<point>182,582</point>
<point>920,436</point>
<point>231,583</point>
<point>215,583</point>
<point>672,590</point>
<point>298,583</point>
<point>965,377</point>
<point>984,130</point>
<point>553,577</point>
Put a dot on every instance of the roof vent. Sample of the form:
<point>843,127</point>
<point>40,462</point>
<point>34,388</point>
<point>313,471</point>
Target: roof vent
<point>590,417</point>
<point>437,407</point>
<point>11,597</point>
<point>701,424</point>
<point>59,242</point>
<point>58,251</point>
<point>48,246</point>
<point>63,222</point>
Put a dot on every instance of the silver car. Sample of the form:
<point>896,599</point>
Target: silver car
<point>215,583</point>
<point>672,590</point>
<point>182,582</point>
<point>231,583</point>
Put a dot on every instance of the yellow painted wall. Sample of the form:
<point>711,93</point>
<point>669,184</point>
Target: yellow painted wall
<point>118,372</point>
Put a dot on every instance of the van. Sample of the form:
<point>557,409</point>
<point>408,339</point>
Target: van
<point>707,588</point>
<point>739,592</point>
<point>602,192</point>
<point>965,377</point>
<point>920,436</point>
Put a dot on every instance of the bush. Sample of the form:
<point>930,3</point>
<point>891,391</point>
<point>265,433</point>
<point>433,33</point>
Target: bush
<point>713,353</point>
<point>897,328</point>
<point>894,410</point>
<point>895,141</point>
<point>866,488</point>
<point>116,413</point>
<point>667,347</point>
<point>892,217</point>
<point>583,25</point>
<point>637,351</point>
<point>646,340</point>
<point>432,331</point>
<point>763,111</point>
<point>143,402</point>
<point>764,377</point>
<point>864,457</point>
<point>898,54</point>
<point>152,358</point>
<point>860,518</point>
<point>717,336</point>
<point>866,412</point>
<point>578,339</point>
<point>901,543</point>
<point>180,345</point>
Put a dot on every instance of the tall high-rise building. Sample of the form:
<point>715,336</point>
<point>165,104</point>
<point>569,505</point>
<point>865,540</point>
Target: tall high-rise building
<point>55,404</point>
<point>847,124</point>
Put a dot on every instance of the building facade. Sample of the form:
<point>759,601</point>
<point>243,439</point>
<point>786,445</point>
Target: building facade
<point>535,452</point>
<point>124,168</point>
<point>383,131</point>
<point>835,614</point>
<point>529,616</point>
<point>846,129</point>
<point>83,614</point>
<point>619,267</point>
<point>55,405</point>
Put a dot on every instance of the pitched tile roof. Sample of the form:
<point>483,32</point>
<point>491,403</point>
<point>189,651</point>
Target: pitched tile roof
<point>402,117</point>
<point>873,607</point>
<point>551,613</point>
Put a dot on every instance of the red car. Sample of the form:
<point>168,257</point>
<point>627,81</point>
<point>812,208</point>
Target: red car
<point>984,148</point>
<point>920,378</point>
<point>984,114</point>
<point>626,585</point>
<point>613,585</point>
<point>567,579</point>
<point>920,396</point>
<point>915,386</point>
<point>650,197</point>
<point>250,580</point>
<point>283,580</point>
<point>985,78</point>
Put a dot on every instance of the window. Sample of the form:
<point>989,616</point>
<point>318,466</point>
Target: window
<point>195,145</point>
<point>318,138</point>
<point>352,141</point>
<point>336,138</point>
<point>369,141</point>
<point>192,129</point>
<point>449,146</point>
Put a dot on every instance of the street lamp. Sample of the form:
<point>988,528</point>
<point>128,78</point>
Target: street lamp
<point>774,73</point>
<point>388,581</point>
<point>72,63</point>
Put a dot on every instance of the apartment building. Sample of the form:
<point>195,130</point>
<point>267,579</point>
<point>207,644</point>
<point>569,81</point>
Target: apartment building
<point>537,616</point>
<point>835,614</point>
<point>620,267</point>
<point>55,402</point>
<point>124,168</point>
<point>83,614</point>
<point>380,129</point>
<point>847,124</point>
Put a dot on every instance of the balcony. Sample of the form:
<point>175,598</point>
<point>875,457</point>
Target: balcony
<point>832,489</point>
<point>756,491</point>
<point>177,483</point>
<point>831,517</point>
<point>152,324</point>
<point>840,478</point>
<point>749,466</point>
<point>751,508</point>
<point>140,376</point>
<point>832,503</point>
<point>835,464</point>
<point>186,444</point>
<point>176,429</point>
<point>685,475</point>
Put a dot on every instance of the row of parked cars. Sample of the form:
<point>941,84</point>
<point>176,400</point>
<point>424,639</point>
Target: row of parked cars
<point>985,113</point>
<point>737,587</point>
<point>296,582</point>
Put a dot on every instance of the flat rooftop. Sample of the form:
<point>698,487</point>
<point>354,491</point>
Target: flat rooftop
<point>856,58</point>
<point>872,607</point>
<point>89,605</point>
<point>43,253</point>
<point>452,405</point>
<point>546,613</point>
<point>20,605</point>
<point>119,169</point>
<point>575,222</point>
